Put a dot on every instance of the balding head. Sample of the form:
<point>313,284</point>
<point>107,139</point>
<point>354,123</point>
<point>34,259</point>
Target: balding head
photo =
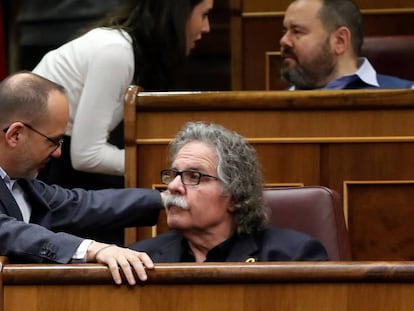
<point>24,96</point>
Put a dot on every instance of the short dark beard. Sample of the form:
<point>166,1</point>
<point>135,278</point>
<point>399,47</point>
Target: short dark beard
<point>311,75</point>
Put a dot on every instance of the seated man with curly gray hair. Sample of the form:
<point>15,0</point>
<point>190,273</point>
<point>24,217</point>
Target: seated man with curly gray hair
<point>214,205</point>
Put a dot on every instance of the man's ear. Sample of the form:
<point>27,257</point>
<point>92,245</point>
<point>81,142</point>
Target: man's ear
<point>341,40</point>
<point>13,133</point>
<point>231,207</point>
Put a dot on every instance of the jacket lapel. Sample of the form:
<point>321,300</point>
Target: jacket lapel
<point>9,203</point>
<point>170,252</point>
<point>40,211</point>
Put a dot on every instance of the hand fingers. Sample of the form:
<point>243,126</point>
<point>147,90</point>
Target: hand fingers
<point>125,266</point>
<point>114,269</point>
<point>146,260</point>
<point>138,261</point>
<point>139,270</point>
<point>126,260</point>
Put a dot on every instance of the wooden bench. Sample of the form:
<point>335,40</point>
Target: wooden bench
<point>288,286</point>
<point>359,143</point>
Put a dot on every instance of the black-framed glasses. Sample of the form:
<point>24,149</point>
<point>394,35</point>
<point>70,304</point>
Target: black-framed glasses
<point>57,142</point>
<point>188,177</point>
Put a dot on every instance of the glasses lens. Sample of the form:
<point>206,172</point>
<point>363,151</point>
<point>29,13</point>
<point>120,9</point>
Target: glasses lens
<point>191,178</point>
<point>167,176</point>
<point>187,177</point>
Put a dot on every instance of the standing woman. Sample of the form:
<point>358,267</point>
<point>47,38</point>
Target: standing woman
<point>143,45</point>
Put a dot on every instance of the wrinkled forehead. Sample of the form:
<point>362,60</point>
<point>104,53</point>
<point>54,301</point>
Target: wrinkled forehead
<point>196,154</point>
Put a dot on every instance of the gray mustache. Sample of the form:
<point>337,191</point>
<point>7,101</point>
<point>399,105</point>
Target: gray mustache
<point>177,201</point>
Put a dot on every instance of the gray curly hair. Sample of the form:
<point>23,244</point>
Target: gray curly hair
<point>238,169</point>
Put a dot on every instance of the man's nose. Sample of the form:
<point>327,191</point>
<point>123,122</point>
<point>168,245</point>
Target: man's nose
<point>176,185</point>
<point>285,40</point>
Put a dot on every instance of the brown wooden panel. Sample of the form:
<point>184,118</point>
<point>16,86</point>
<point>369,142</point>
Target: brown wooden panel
<point>288,286</point>
<point>194,297</point>
<point>379,220</point>
<point>278,125</point>
<point>265,5</point>
<point>290,163</point>
<point>271,5</point>
<point>366,161</point>
<point>3,260</point>
<point>384,4</point>
<point>260,35</point>
<point>216,273</point>
<point>272,72</point>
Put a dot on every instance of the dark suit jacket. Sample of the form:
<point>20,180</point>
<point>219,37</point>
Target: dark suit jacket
<point>67,212</point>
<point>269,244</point>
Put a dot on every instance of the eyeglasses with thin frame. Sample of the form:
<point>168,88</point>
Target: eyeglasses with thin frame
<point>57,142</point>
<point>188,177</point>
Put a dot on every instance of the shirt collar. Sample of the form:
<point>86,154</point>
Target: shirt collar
<point>218,253</point>
<point>366,72</point>
<point>3,174</point>
<point>9,182</point>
